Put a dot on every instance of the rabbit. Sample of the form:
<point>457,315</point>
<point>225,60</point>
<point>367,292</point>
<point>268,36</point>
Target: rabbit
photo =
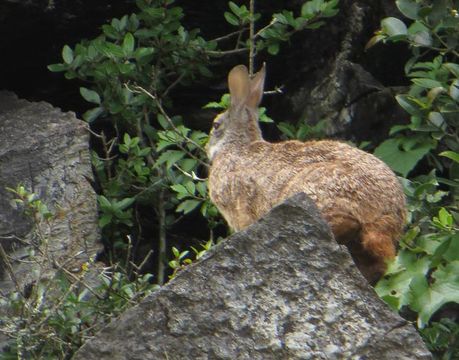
<point>357,194</point>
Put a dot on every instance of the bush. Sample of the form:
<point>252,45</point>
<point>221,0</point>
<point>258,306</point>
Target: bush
<point>425,275</point>
<point>51,317</point>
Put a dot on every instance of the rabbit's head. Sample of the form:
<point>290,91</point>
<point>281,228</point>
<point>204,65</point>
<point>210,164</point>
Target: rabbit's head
<point>238,125</point>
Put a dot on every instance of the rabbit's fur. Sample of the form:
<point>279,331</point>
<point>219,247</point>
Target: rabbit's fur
<point>357,193</point>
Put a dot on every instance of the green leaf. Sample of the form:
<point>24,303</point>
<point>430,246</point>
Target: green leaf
<point>93,114</point>
<point>190,187</point>
<point>176,252</point>
<point>452,254</point>
<point>67,54</point>
<point>310,8</point>
<point>57,67</point>
<point>453,68</point>
<point>128,44</point>
<point>273,49</point>
<point>90,95</point>
<point>127,139</point>
<point>445,218</point>
<point>399,158</point>
<point>213,105</point>
<point>393,26</point>
<point>234,8</point>
<point>187,206</point>
<point>394,288</point>
<point>104,202</point>
<point>163,122</point>
<point>112,50</point>
<point>454,90</point>
<point>426,300</point>
<point>427,83</point>
<point>182,191</point>
<point>183,254</point>
<point>287,129</point>
<point>188,164</point>
<point>409,8</point>
<point>422,38</point>
<point>174,264</point>
<point>105,219</point>
<point>451,155</point>
<point>202,188</point>
<point>124,203</point>
<point>143,52</point>
<point>409,105</point>
<point>110,32</point>
<point>170,157</point>
<point>437,119</point>
<point>230,18</point>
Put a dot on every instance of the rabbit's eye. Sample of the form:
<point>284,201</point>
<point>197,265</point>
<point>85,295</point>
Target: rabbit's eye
<point>216,125</point>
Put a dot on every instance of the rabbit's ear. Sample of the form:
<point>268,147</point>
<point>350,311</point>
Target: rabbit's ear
<point>239,85</point>
<point>256,88</point>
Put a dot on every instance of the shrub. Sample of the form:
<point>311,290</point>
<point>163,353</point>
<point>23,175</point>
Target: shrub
<point>424,276</point>
<point>51,317</point>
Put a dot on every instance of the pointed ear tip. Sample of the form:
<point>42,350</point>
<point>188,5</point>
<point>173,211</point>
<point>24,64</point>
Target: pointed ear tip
<point>241,67</point>
<point>262,69</point>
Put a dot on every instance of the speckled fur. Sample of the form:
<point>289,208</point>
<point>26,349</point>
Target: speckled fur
<point>357,193</point>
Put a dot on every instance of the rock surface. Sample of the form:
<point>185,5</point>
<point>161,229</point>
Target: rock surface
<point>330,77</point>
<point>282,289</point>
<point>46,151</point>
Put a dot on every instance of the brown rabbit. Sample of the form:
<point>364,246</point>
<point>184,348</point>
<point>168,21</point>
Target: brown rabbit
<point>357,193</point>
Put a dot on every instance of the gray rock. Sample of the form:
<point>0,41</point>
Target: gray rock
<point>282,289</point>
<point>328,76</point>
<point>46,151</point>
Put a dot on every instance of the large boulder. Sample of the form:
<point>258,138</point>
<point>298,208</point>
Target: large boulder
<point>282,289</point>
<point>329,76</point>
<point>47,152</point>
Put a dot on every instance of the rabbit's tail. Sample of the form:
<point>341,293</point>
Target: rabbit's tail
<point>370,244</point>
<point>378,242</point>
<point>379,238</point>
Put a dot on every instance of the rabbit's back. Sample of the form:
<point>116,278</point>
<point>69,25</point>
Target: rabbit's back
<point>335,175</point>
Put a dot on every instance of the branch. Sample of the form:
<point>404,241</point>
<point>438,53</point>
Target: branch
<point>173,84</point>
<point>258,34</point>
<point>229,36</point>
<point>226,52</point>
<point>251,37</point>
<point>171,123</point>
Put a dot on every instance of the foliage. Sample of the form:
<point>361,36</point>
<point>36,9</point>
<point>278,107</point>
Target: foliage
<point>302,131</point>
<point>424,276</point>
<point>52,322</point>
<point>433,97</point>
<point>182,259</point>
<point>55,314</point>
<point>224,103</point>
<point>146,156</point>
<point>443,338</point>
<point>282,25</point>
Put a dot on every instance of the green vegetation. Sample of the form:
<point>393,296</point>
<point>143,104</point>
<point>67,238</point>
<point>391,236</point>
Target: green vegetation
<point>45,321</point>
<point>425,275</point>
